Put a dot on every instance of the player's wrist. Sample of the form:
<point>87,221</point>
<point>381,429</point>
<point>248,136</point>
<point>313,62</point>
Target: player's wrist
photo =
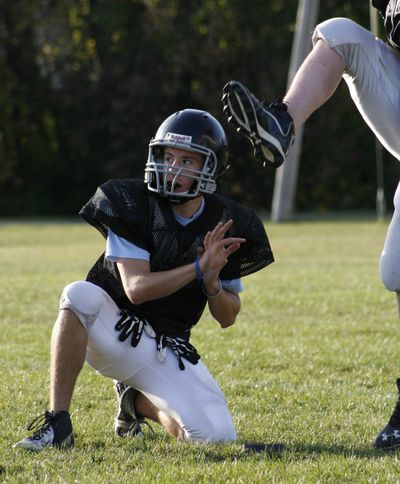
<point>198,270</point>
<point>200,267</point>
<point>212,289</point>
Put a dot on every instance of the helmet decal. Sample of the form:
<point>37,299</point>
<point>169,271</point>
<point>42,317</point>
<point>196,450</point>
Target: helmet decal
<point>180,138</point>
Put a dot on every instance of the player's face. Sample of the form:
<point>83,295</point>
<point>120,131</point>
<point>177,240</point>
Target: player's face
<point>183,165</point>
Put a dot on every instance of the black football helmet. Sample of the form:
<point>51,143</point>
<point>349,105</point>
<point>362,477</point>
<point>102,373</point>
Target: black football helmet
<point>192,130</point>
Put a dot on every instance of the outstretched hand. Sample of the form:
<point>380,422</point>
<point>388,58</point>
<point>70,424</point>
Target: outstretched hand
<point>217,249</point>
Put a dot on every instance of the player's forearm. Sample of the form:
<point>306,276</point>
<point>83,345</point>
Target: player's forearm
<point>224,307</point>
<point>149,286</point>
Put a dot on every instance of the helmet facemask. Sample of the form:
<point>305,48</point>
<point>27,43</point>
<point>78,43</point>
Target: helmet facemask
<point>158,172</point>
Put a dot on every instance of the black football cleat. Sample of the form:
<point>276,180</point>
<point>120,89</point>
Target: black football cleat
<point>269,128</point>
<point>49,430</point>
<point>389,437</point>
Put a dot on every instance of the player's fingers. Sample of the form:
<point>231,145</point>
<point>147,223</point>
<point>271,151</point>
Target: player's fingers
<point>215,233</point>
<point>233,240</point>
<point>207,238</point>
<point>221,228</point>
<point>231,249</point>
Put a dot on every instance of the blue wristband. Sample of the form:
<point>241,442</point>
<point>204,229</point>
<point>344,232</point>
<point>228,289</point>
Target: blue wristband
<point>199,275</point>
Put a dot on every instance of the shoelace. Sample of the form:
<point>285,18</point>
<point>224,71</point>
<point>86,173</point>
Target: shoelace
<point>138,427</point>
<point>40,424</point>
<point>278,104</point>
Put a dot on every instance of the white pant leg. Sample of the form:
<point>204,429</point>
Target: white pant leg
<point>372,73</point>
<point>192,397</point>
<point>390,257</point>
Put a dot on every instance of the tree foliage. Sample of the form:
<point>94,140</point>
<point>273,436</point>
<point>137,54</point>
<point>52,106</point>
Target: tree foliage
<point>85,83</point>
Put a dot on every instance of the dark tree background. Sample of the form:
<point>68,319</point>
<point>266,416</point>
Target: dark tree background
<point>84,85</point>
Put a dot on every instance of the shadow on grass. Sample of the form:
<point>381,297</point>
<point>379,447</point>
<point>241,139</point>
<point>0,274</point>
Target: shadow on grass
<point>321,449</point>
<point>298,451</point>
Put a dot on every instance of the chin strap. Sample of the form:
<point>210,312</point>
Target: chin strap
<point>177,200</point>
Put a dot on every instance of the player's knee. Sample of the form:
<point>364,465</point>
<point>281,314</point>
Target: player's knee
<point>221,428</point>
<point>391,283</point>
<point>337,31</point>
<point>211,434</point>
<point>222,432</point>
<point>216,427</point>
<point>396,202</point>
<point>83,298</point>
<point>389,275</point>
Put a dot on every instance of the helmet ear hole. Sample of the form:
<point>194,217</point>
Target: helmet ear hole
<point>158,153</point>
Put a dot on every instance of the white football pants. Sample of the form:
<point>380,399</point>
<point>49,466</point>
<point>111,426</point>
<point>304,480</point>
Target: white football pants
<point>192,397</point>
<point>372,73</point>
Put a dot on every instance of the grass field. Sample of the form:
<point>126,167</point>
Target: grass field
<point>311,363</point>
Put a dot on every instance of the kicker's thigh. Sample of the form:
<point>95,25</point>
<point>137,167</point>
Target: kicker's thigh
<point>372,73</point>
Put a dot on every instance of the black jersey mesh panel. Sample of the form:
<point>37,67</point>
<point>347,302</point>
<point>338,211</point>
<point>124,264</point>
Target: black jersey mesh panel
<point>126,207</point>
<point>256,252</point>
<point>164,239</point>
<point>122,206</point>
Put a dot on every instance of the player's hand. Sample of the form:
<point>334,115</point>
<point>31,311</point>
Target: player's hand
<point>209,276</point>
<point>217,249</point>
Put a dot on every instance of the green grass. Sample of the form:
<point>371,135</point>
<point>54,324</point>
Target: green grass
<point>311,363</point>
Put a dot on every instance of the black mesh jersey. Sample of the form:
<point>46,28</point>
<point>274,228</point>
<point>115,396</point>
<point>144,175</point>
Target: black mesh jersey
<point>131,211</point>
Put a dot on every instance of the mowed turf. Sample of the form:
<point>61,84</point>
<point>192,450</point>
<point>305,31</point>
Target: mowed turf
<point>310,363</point>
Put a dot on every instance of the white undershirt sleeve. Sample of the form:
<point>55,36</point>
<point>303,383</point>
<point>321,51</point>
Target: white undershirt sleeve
<point>119,247</point>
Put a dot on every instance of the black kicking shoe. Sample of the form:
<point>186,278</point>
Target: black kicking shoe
<point>49,430</point>
<point>126,422</point>
<point>389,437</point>
<point>269,128</point>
